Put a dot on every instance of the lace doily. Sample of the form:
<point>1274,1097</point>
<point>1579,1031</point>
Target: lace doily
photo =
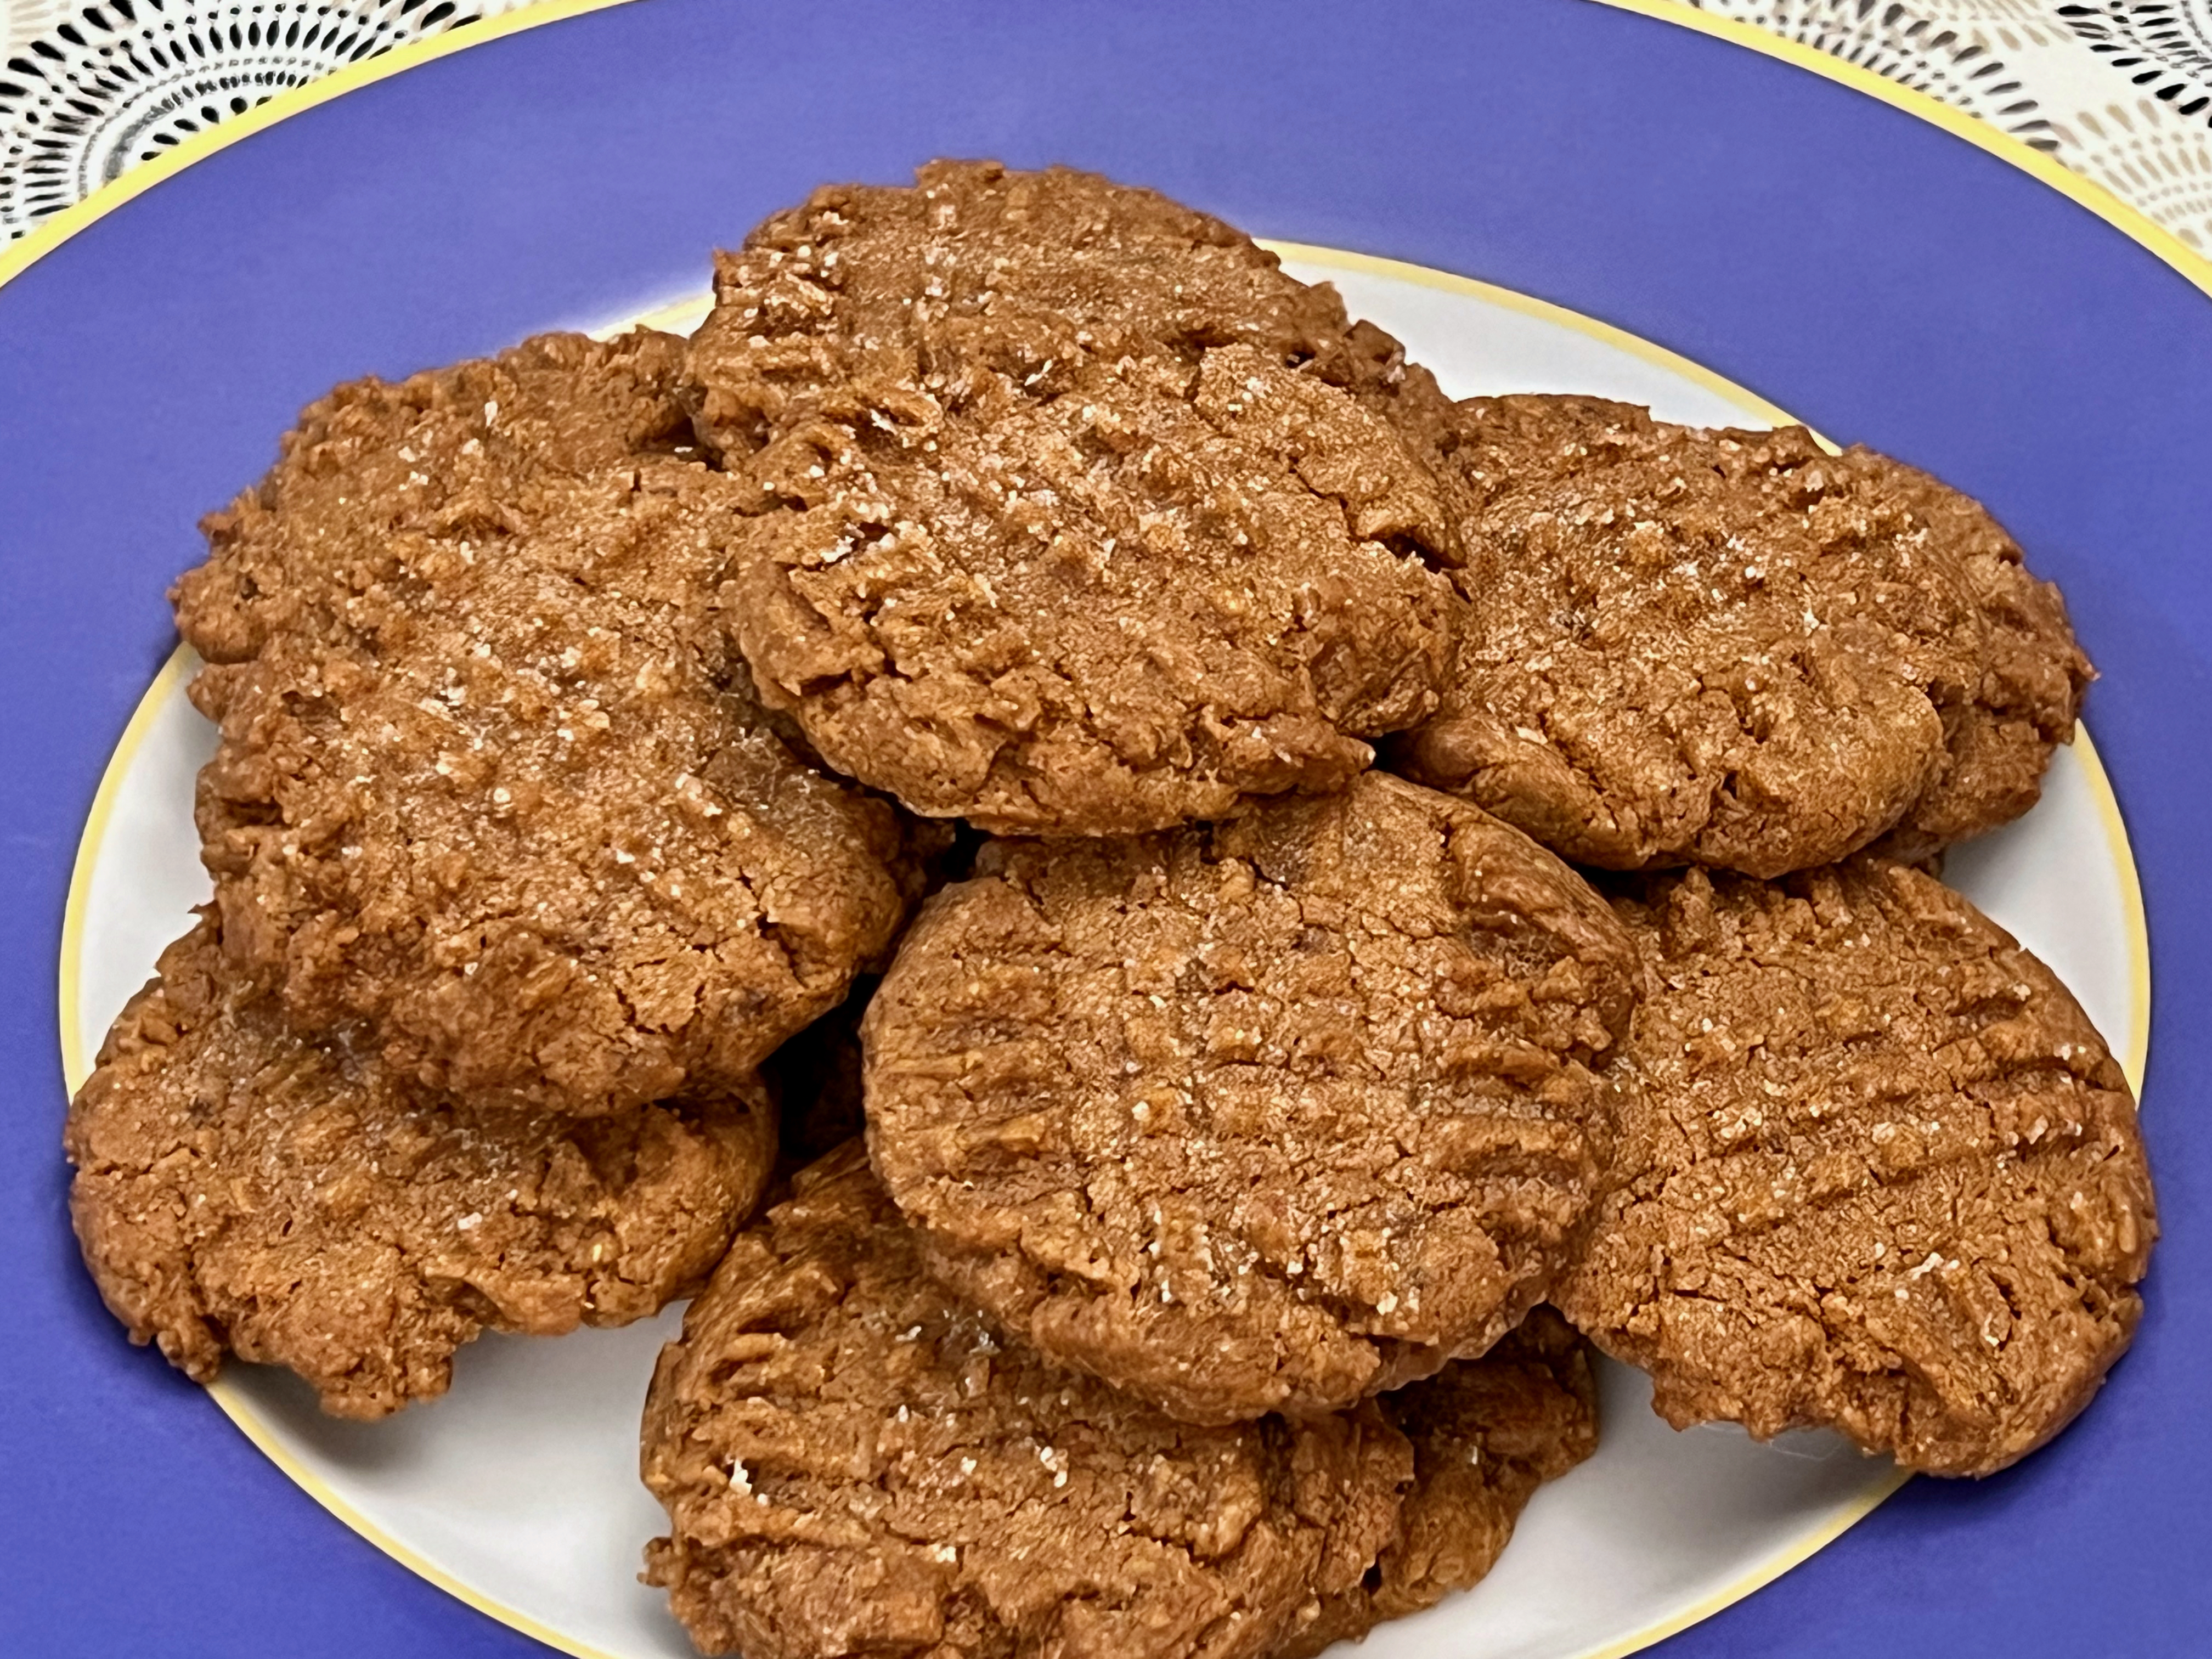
<point>2120,91</point>
<point>89,90</point>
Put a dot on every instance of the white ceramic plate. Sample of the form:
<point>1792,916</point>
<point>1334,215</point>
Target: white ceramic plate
<point>518,1491</point>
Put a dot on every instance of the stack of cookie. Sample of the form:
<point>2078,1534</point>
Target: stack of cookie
<point>1164,1240</point>
<point>514,890</point>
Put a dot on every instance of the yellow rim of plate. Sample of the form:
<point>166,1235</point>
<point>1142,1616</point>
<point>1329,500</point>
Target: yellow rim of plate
<point>2139,227</point>
<point>2131,223</point>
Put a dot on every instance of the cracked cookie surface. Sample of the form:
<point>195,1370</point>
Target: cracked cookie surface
<point>853,1461</point>
<point>238,1190</point>
<point>492,793</point>
<point>1730,649</point>
<point>1077,514</point>
<point>1262,1115</point>
<point>1882,1174</point>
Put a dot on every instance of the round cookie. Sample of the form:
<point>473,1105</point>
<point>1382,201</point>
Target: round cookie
<point>238,1190</point>
<point>1077,514</point>
<point>1730,648</point>
<point>1263,1115</point>
<point>494,796</point>
<point>1882,1175</point>
<point>1485,1434</point>
<point>854,1463</point>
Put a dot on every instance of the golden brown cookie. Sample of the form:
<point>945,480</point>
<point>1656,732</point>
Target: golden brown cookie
<point>493,796</point>
<point>1882,1175</point>
<point>238,1190</point>
<point>1730,649</point>
<point>1485,1434</point>
<point>855,1463</point>
<point>1255,1117</point>
<point>1077,514</point>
